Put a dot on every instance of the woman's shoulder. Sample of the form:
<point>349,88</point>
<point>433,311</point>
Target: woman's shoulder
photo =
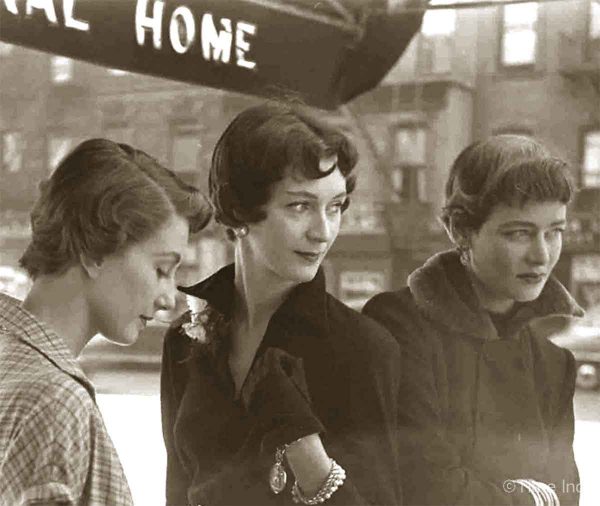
<point>396,310</point>
<point>550,356</point>
<point>51,398</point>
<point>359,330</point>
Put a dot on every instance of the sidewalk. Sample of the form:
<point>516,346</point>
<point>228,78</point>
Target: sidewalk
<point>133,422</point>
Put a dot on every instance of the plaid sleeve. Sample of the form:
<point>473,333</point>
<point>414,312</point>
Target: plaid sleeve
<point>48,455</point>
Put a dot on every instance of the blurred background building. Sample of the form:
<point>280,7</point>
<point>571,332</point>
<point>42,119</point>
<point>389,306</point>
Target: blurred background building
<point>529,68</point>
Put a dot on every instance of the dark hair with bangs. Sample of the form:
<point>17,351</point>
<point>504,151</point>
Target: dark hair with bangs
<point>102,197</point>
<point>261,146</point>
<point>507,169</point>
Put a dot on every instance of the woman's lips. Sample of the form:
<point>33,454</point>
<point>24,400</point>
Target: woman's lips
<point>532,278</point>
<point>308,256</point>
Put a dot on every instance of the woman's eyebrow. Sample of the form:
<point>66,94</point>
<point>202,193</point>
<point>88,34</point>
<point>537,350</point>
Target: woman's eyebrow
<point>309,195</point>
<point>529,224</point>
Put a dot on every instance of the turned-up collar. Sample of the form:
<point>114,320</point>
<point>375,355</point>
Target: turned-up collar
<point>305,306</point>
<point>443,292</point>
<point>20,323</point>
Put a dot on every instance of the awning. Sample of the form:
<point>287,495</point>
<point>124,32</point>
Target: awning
<point>326,51</point>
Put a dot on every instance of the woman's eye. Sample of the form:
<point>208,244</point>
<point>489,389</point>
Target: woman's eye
<point>161,273</point>
<point>556,232</point>
<point>518,235</point>
<point>336,207</point>
<point>299,206</point>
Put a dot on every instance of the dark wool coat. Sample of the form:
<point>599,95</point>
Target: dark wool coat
<point>478,409</point>
<point>351,368</point>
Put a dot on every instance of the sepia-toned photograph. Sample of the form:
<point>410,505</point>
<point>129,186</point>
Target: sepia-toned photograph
<point>319,252</point>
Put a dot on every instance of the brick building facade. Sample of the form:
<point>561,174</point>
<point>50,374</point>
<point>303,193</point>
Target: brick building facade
<point>531,68</point>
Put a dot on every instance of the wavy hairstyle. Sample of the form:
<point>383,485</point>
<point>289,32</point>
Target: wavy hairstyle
<point>260,147</point>
<point>102,197</point>
<point>507,169</point>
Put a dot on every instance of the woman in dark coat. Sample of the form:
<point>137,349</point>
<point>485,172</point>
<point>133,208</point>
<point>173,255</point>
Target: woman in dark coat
<point>487,413</point>
<point>270,375</point>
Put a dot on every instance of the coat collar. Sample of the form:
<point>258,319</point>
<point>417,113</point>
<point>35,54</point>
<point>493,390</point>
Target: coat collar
<point>305,307</point>
<point>19,322</point>
<point>443,291</point>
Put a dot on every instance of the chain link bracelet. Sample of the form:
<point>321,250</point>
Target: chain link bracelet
<point>335,479</point>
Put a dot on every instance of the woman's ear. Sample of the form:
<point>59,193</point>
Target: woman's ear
<point>90,266</point>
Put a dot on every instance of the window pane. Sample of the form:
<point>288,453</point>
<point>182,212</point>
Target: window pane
<point>58,147</point>
<point>421,185</point>
<point>12,151</point>
<point>591,159</point>
<point>520,15</point>
<point>436,54</point>
<point>519,47</point>
<point>519,37</point>
<point>185,152</point>
<point>61,69</point>
<point>398,176</point>
<point>595,19</point>
<point>410,146</point>
<point>439,22</point>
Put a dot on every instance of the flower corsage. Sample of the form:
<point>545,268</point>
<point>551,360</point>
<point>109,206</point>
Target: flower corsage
<point>198,329</point>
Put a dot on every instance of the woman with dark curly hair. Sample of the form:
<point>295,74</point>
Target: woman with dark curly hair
<point>487,399</point>
<point>108,233</point>
<point>271,376</point>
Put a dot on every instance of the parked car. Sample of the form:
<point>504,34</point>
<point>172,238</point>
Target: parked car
<point>582,338</point>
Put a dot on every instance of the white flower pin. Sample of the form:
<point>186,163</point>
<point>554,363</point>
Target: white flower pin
<point>195,329</point>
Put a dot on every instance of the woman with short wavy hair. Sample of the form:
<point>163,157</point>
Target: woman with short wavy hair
<point>109,230</point>
<point>487,401</point>
<point>271,377</point>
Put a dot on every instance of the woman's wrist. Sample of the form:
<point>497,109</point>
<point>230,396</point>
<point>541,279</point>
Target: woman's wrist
<point>309,462</point>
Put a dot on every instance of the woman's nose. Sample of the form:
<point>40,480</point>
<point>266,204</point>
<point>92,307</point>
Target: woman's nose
<point>539,252</point>
<point>321,228</point>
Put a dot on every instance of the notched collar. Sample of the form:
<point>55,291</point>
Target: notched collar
<point>305,307</point>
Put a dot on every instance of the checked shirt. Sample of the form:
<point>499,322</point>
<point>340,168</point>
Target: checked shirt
<point>54,447</point>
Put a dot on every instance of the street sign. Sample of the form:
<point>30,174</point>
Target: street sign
<point>250,46</point>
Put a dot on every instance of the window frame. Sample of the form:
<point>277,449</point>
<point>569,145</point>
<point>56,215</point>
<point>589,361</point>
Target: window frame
<point>585,132</point>
<point>502,32</point>
<point>415,169</point>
